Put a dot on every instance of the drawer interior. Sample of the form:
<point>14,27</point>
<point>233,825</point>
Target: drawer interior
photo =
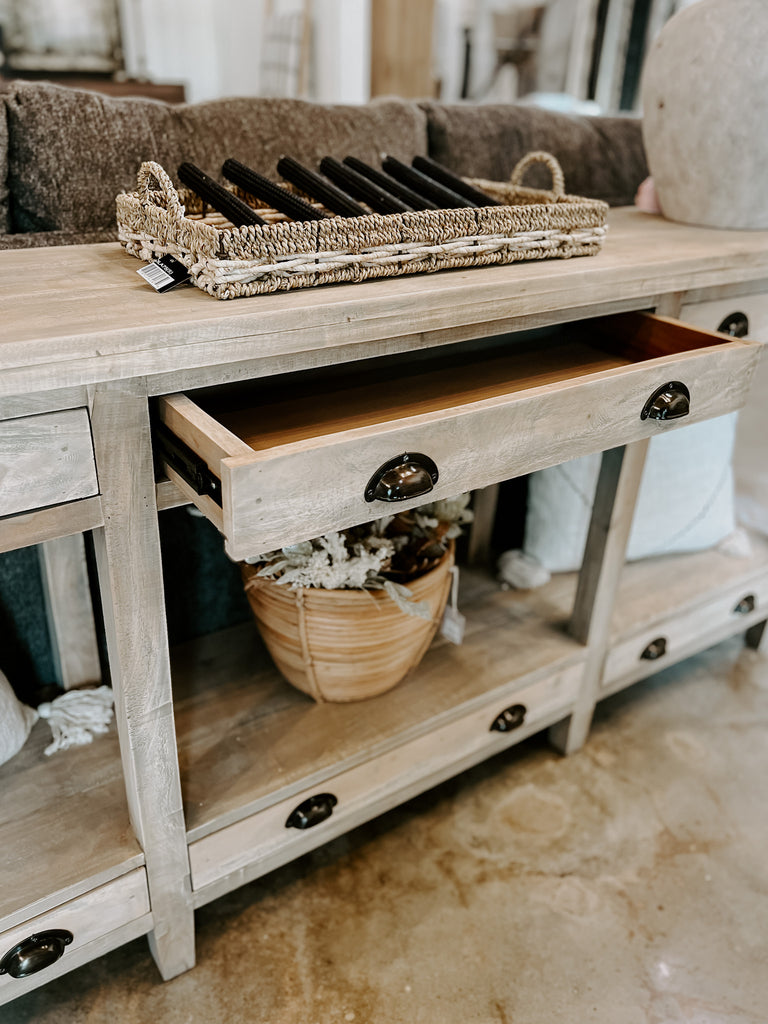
<point>290,407</point>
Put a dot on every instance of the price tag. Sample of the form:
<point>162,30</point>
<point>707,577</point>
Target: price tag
<point>454,623</point>
<point>164,273</point>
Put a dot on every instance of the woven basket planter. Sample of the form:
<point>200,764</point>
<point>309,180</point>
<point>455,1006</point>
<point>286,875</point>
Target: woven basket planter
<point>230,262</point>
<point>345,645</point>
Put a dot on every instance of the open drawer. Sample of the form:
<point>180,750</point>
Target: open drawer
<point>285,458</point>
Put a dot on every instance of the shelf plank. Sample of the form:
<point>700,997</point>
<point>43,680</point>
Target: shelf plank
<point>64,825</point>
<point>652,589</point>
<point>248,739</point>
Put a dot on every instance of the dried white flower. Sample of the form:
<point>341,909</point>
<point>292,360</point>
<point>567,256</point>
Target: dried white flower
<point>357,559</point>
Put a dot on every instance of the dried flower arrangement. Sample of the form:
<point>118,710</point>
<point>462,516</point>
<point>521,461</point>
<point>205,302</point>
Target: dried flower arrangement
<point>382,555</point>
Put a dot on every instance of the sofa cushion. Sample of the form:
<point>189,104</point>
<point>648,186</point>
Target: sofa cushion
<point>698,458</point>
<point>601,157</point>
<point>4,214</point>
<point>41,239</point>
<point>72,151</point>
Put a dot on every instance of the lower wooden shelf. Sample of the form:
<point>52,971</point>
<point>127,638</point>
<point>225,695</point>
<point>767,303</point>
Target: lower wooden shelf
<point>100,920</point>
<point>64,827</point>
<point>669,608</point>
<point>70,859</point>
<point>252,748</point>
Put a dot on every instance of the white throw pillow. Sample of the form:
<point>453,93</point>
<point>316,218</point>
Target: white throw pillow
<point>16,720</point>
<point>686,500</point>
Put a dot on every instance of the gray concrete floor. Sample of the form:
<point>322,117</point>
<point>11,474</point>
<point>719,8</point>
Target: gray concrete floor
<point>627,884</point>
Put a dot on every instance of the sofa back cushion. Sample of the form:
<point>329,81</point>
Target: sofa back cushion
<point>4,213</point>
<point>71,151</point>
<point>601,157</point>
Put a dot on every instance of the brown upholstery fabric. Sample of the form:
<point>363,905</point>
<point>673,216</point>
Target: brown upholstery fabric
<point>40,239</point>
<point>4,214</point>
<point>601,157</point>
<point>72,151</point>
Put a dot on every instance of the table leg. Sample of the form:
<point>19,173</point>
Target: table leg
<point>757,637</point>
<point>131,583</point>
<point>485,501</point>
<point>620,473</point>
<point>69,610</point>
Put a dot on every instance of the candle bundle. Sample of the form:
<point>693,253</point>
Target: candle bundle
<point>348,188</point>
<point>217,196</point>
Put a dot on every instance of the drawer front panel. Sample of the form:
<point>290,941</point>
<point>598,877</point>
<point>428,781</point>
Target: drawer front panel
<point>87,918</point>
<point>46,460</point>
<point>712,315</point>
<point>680,635</point>
<point>372,788</point>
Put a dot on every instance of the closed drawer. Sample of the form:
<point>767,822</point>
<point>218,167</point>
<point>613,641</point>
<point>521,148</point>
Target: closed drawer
<point>74,925</point>
<point>747,315</point>
<point>264,840</point>
<point>744,316</point>
<point>46,460</point>
<point>677,636</point>
<point>291,457</point>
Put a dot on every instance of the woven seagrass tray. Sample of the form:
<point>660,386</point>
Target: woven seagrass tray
<point>230,262</point>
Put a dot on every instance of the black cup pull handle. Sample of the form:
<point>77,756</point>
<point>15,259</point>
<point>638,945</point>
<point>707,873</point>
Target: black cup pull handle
<point>35,953</point>
<point>735,324</point>
<point>746,605</point>
<point>406,476</point>
<point>312,811</point>
<point>669,402</point>
<point>509,719</point>
<point>656,649</point>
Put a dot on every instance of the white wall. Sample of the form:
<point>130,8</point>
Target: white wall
<point>341,51</point>
<point>201,50</point>
<point>223,49</point>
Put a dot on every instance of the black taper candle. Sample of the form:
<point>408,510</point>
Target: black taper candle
<point>220,198</point>
<point>279,198</point>
<point>396,188</point>
<point>452,181</point>
<point>424,185</point>
<point>361,188</point>
<point>319,188</point>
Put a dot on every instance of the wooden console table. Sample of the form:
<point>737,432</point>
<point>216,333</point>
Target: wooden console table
<point>189,796</point>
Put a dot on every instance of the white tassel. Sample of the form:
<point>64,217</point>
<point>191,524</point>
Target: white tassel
<point>521,571</point>
<point>76,715</point>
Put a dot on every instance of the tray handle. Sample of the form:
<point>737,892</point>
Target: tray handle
<point>149,172</point>
<point>540,157</point>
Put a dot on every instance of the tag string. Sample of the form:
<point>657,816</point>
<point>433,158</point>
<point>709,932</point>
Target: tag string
<point>455,588</point>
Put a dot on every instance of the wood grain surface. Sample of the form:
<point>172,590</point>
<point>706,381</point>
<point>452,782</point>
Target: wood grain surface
<point>46,460</point>
<point>93,318</point>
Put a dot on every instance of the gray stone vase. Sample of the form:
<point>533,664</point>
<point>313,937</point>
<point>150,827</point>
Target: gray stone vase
<point>705,114</point>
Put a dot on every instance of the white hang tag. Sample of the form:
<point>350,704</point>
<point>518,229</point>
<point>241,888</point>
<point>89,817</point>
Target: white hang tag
<point>164,273</point>
<point>454,623</point>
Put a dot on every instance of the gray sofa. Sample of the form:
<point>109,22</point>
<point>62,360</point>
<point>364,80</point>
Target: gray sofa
<point>64,156</point>
<point>66,153</point>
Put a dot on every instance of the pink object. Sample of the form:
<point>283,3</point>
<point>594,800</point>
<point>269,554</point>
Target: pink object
<point>646,198</point>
